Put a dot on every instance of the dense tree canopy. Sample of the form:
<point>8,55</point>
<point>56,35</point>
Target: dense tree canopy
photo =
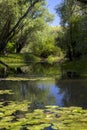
<point>73,38</point>
<point>24,27</point>
<point>14,17</point>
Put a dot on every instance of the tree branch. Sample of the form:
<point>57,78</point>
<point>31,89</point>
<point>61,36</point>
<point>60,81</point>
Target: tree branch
<point>22,17</point>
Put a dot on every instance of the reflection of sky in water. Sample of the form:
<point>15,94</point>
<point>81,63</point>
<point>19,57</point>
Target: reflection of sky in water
<point>53,91</point>
<point>63,93</point>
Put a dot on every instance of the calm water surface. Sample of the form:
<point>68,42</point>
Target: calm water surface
<point>47,92</point>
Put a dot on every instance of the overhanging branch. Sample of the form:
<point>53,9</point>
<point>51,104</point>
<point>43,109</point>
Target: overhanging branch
<point>22,17</point>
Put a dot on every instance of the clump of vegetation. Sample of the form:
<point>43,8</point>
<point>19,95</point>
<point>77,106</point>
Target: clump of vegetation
<point>15,115</point>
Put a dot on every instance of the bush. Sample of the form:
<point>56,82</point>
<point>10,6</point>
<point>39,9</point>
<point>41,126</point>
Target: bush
<point>10,47</point>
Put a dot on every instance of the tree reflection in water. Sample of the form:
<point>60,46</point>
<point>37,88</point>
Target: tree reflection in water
<point>47,92</point>
<point>26,90</point>
<point>75,92</point>
<point>31,69</point>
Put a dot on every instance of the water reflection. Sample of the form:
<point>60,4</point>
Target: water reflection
<point>75,92</point>
<point>31,69</point>
<point>3,72</point>
<point>61,93</point>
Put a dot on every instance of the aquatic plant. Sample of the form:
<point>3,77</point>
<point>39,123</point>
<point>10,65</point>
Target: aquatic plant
<point>16,115</point>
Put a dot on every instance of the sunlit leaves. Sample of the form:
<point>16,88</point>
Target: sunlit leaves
<point>6,92</point>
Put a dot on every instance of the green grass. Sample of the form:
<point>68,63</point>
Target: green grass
<point>13,59</point>
<point>19,58</point>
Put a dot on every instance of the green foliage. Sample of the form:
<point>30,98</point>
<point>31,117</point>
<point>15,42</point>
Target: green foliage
<point>44,43</point>
<point>32,33</point>
<point>16,27</point>
<point>53,59</point>
<point>10,47</point>
<point>34,24</point>
<point>15,115</point>
<point>72,39</point>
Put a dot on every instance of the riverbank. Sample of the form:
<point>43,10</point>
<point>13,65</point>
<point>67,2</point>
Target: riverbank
<point>27,79</point>
<point>19,58</point>
<point>27,57</point>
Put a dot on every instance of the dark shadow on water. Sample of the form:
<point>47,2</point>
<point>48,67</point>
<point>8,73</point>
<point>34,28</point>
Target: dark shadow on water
<point>75,92</point>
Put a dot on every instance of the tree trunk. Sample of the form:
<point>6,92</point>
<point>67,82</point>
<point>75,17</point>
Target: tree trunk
<point>19,48</point>
<point>8,35</point>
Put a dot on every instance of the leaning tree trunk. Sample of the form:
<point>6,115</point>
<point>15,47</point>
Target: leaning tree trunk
<point>4,35</point>
<point>22,41</point>
<point>8,35</point>
<point>19,47</point>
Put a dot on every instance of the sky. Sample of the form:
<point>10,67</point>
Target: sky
<point>51,7</point>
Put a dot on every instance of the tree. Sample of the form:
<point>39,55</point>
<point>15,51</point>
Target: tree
<point>43,42</point>
<point>36,21</point>
<point>10,28</point>
<point>74,27</point>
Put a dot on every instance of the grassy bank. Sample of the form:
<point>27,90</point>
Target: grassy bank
<point>27,57</point>
<point>19,58</point>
